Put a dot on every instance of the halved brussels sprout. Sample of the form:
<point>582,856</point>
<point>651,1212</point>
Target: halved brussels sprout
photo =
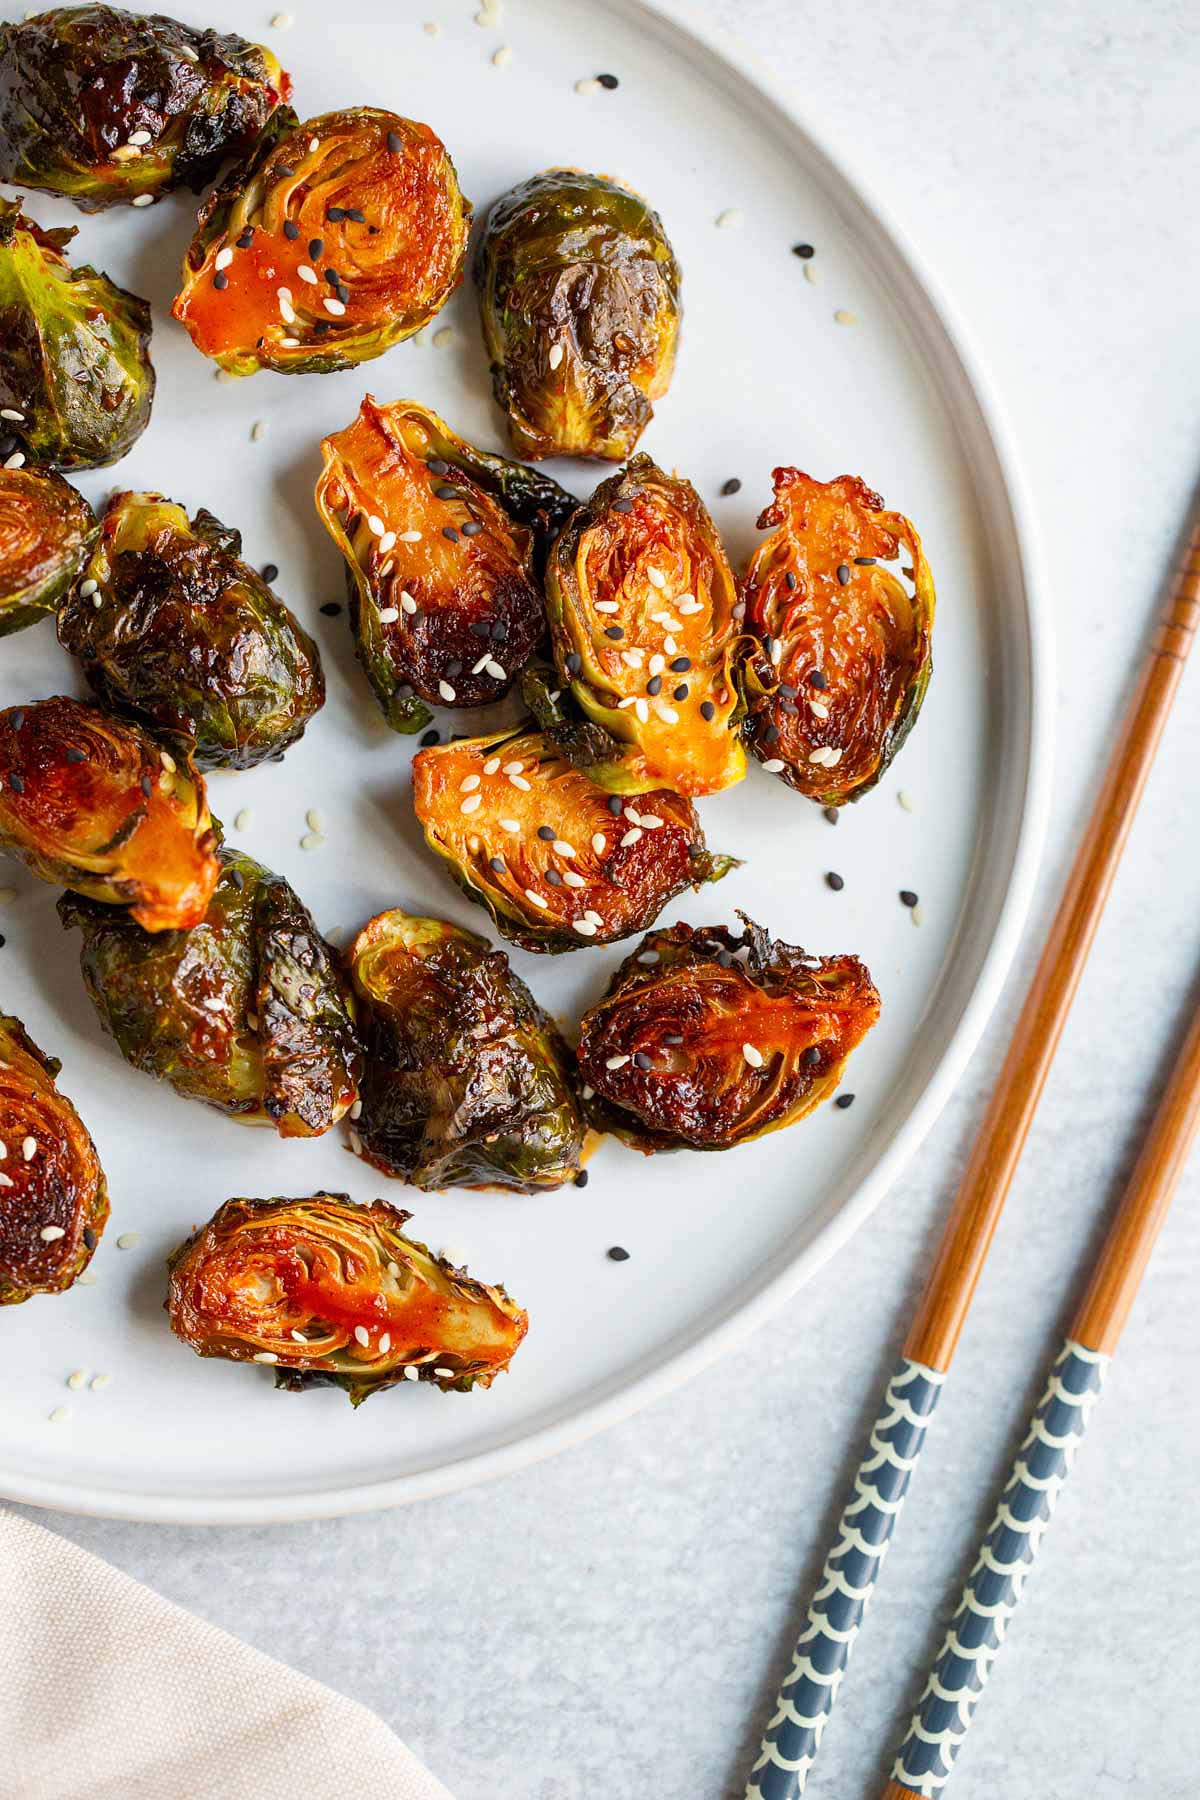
<point>46,533</point>
<point>105,106</point>
<point>335,240</point>
<point>579,297</point>
<point>641,602</point>
<point>558,861</point>
<point>247,1011</point>
<point>466,1078</point>
<point>840,653</point>
<point>53,1196</point>
<point>98,806</point>
<point>76,381</point>
<point>178,631</point>
<point>439,545</point>
<point>709,1038</point>
<point>334,1295</point>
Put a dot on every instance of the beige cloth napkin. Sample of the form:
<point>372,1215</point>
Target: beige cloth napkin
<point>109,1692</point>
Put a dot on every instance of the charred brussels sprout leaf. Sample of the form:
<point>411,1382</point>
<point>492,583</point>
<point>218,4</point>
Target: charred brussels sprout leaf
<point>579,296</point>
<point>643,612</point>
<point>336,239</point>
<point>106,106</point>
<point>186,637</point>
<point>246,1011</point>
<point>334,1295</point>
<point>444,604</point>
<point>535,840</point>
<point>46,533</point>
<point>53,1200</point>
<point>839,650</point>
<point>74,351</point>
<point>465,1082</point>
<point>98,806</point>
<point>693,1047</point>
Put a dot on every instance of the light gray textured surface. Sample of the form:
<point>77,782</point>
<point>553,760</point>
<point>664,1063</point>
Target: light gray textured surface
<point>613,1624</point>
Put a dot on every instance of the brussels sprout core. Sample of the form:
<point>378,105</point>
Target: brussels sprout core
<point>46,531</point>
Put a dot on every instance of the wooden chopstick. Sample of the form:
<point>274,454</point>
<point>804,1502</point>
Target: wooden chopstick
<point>793,1734</point>
<point>961,1668</point>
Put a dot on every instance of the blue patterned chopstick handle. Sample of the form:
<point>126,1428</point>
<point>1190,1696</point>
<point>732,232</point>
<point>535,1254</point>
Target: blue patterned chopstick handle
<point>792,1737</point>
<point>994,1586</point>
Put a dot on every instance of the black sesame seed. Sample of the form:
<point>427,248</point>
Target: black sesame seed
<point>608,81</point>
<point>284,169</point>
<point>446,492</point>
<point>770,734</point>
<point>546,833</point>
<point>395,142</point>
<point>497,865</point>
<point>623,505</point>
<point>454,667</point>
<point>681,692</point>
<point>787,690</point>
<point>403,690</point>
<point>732,486</point>
<point>246,239</point>
<point>147,786</point>
<point>333,278</point>
<point>553,877</point>
<point>681,664</point>
<point>321,326</point>
<point>866,562</point>
<point>220,279</point>
<point>641,1060</point>
<point>768,645</point>
<point>316,248</point>
<point>907,897</point>
<point>789,707</point>
<point>75,756</point>
<point>707,710</point>
<point>500,632</point>
<point>725,958</point>
<point>831,813</point>
<point>448,531</point>
<point>834,880</point>
<point>343,293</point>
<point>291,229</point>
<point>238,879</point>
<point>480,628</point>
<point>332,608</point>
<point>335,213</point>
<point>615,805</point>
<point>673,1038</point>
<point>90,1238</point>
<point>654,685</point>
<point>428,739</point>
<point>812,1055</point>
<point>615,632</point>
<point>843,573</point>
<point>18,719</point>
<point>270,571</point>
<point>574,663</point>
<point>3,940</point>
<point>436,466</point>
<point>803,251</point>
<point>616,1254</point>
<point>352,212</point>
<point>790,579</point>
<point>843,1101</point>
<point>472,528</point>
<point>581,1180</point>
<point>8,444</point>
<point>816,679</point>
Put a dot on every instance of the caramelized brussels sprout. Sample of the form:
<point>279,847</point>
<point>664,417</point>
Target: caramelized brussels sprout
<point>76,382</point>
<point>557,860</point>
<point>246,1011</point>
<point>334,241</point>
<point>641,601</point>
<point>105,106</point>
<point>465,1082</point>
<point>179,632</point>
<point>839,659</point>
<point>46,532</point>
<point>53,1196</point>
<point>98,806</point>
<point>334,1295</point>
<point>694,1048</point>
<point>579,297</point>
<point>439,545</point>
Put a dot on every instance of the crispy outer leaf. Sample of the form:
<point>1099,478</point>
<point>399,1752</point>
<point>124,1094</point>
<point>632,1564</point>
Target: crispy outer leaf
<point>579,294</point>
<point>53,1196</point>
<point>335,240</point>
<point>707,1038</point>
<point>74,351</point>
<point>183,635</point>
<point>466,1081</point>
<point>537,841</point>
<point>46,533</point>
<point>246,1011</point>
<point>333,1294</point>
<point>104,106</point>
<point>99,806</point>
<point>643,616</point>
<point>838,653</point>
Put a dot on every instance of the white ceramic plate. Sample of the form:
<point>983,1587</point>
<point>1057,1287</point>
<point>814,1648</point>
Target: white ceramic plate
<point>766,375</point>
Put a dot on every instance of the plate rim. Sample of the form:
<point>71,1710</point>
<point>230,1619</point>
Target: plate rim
<point>679,1366</point>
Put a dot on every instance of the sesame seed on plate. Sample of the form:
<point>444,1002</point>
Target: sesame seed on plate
<point>129,1240</point>
<point>844,317</point>
<point>905,800</point>
<point>834,881</point>
<point>589,85</point>
<point>59,1416</point>
<point>143,200</point>
<point>283,21</point>
<point>753,1056</point>
<point>917,914</point>
<point>443,337</point>
<point>258,431</point>
<point>76,1379</point>
<point>729,219</point>
<point>312,840</point>
<point>502,56</point>
<point>50,1234</point>
<point>99,1382</point>
<point>243,819</point>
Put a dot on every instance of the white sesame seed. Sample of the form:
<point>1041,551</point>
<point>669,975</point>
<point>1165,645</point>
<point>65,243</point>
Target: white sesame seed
<point>10,412</point>
<point>443,337</point>
<point>657,664</point>
<point>513,768</point>
<point>491,765</point>
<point>86,1279</point>
<point>481,665</point>
<point>333,305</point>
<point>126,153</point>
<point>537,899</point>
<point>76,1379</point>
<point>284,297</point>
<point>564,849</point>
<point>633,658</point>
<point>818,709</point>
<point>385,1343</point>
<point>496,670</point>
<point>15,461</point>
<point>666,713</point>
<point>468,784</point>
<point>129,1240</point>
<point>593,916</point>
<point>213,1003</point>
<point>388,615</point>
<point>393,1269</point>
<point>99,1382</point>
<point>139,137</point>
<point>502,56</point>
<point>386,543</point>
<point>264,1356</point>
<point>642,711</point>
<point>362,1334</point>
<point>312,840</point>
<point>608,606</point>
<point>446,1374</point>
<point>656,578</point>
<point>817,755</point>
<point>916,914</point>
<point>599,843</point>
<point>314,144</point>
<point>632,836</point>
<point>519,782</point>
<point>29,1147</point>
<point>97,601</point>
<point>774,766</point>
<point>3,1151</point>
<point>408,537</point>
<point>616,1062</point>
<point>670,646</point>
<point>843,317</point>
<point>243,819</point>
<point>50,1234</point>
<point>299,1336</point>
<point>777,652</point>
<point>356,1143</point>
<point>446,691</point>
<point>471,804</point>
<point>283,21</point>
<point>6,1181</point>
<point>585,927</point>
<point>314,819</point>
<point>168,761</point>
<point>812,274</point>
<point>223,258</point>
<point>411,1374</point>
<point>729,219</point>
<point>753,1057</point>
<point>375,525</point>
<point>622,705</point>
<point>589,85</point>
<point>651,822</point>
<point>454,1255</point>
<point>688,604</point>
<point>832,758</point>
<point>142,200</point>
<point>573,879</point>
<point>307,274</point>
<point>60,1415</point>
<point>905,800</point>
<point>556,355</point>
<point>407,601</point>
<point>509,825</point>
<point>258,431</point>
<point>290,343</point>
<point>356,1110</point>
<point>649,957</point>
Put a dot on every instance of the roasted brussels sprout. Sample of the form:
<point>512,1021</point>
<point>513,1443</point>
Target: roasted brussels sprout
<point>179,632</point>
<point>839,654</point>
<point>98,806</point>
<point>46,533</point>
<point>557,860</point>
<point>641,601</point>
<point>465,1082</point>
<point>334,241</point>
<point>76,382</point>
<point>53,1196</point>
<point>104,106</point>
<point>694,1048</point>
<point>334,1295</point>
<point>439,544</point>
<point>247,1011</point>
<point>579,296</point>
